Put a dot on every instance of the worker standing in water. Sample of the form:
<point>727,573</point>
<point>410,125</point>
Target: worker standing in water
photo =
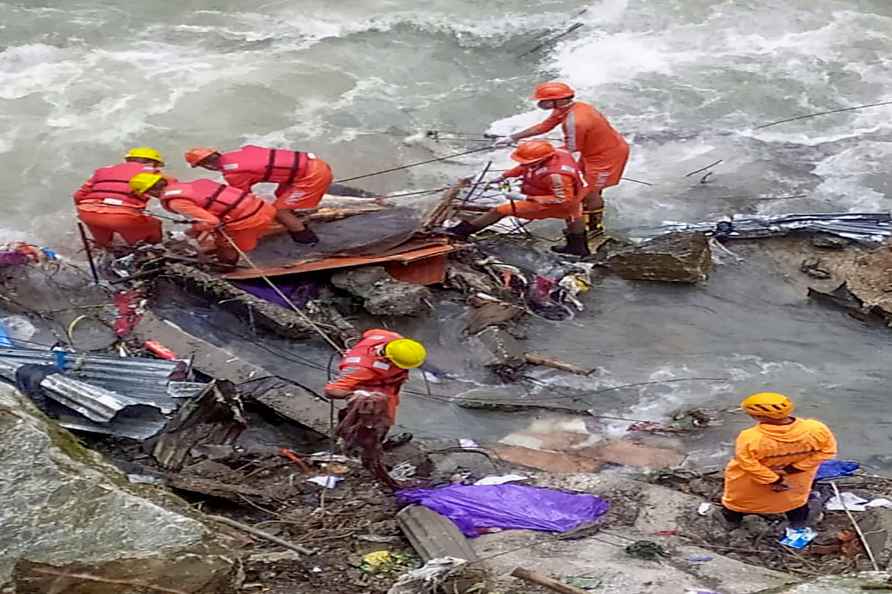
<point>302,177</point>
<point>775,462</point>
<point>603,152</point>
<point>216,209</point>
<point>106,204</point>
<point>552,188</point>
<point>371,375</point>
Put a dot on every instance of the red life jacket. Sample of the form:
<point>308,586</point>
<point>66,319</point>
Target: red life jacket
<point>364,355</point>
<point>537,182</point>
<point>225,202</point>
<point>111,186</point>
<point>254,164</point>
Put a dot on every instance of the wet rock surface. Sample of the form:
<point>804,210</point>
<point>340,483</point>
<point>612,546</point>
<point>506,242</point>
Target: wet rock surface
<point>72,523</point>
<point>381,294</point>
<point>675,257</point>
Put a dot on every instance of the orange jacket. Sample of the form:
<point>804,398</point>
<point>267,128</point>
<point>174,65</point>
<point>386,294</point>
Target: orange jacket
<point>110,186</point>
<point>557,180</point>
<point>585,130</point>
<point>761,454</point>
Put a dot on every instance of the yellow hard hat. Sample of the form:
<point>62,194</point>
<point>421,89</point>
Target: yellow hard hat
<point>144,152</point>
<point>143,182</point>
<point>768,404</point>
<point>405,353</point>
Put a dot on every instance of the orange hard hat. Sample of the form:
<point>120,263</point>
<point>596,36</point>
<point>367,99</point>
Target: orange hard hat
<point>196,155</point>
<point>533,151</point>
<point>552,91</point>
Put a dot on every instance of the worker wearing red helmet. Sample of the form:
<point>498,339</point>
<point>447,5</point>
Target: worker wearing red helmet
<point>603,151</point>
<point>302,177</point>
<point>552,188</point>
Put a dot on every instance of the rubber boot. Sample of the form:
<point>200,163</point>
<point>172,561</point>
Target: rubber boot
<point>595,223</point>
<point>305,236</point>
<point>577,245</point>
<point>463,230</point>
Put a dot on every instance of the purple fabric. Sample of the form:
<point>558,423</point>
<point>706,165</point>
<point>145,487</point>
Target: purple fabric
<point>300,292</point>
<point>13,259</point>
<point>476,508</point>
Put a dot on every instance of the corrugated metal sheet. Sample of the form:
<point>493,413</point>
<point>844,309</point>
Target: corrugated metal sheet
<point>95,403</point>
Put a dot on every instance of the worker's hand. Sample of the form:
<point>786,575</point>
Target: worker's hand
<point>503,142</point>
<point>199,228</point>
<point>779,486</point>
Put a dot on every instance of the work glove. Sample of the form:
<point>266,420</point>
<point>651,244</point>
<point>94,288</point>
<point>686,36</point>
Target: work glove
<point>503,142</point>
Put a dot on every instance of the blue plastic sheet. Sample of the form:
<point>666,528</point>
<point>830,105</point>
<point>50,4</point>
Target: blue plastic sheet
<point>832,469</point>
<point>477,508</point>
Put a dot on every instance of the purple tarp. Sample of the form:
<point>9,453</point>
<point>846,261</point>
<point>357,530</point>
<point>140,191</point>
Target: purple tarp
<point>475,508</point>
<point>299,291</point>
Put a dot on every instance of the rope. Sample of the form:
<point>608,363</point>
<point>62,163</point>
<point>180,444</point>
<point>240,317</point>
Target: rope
<point>400,168</point>
<point>820,113</point>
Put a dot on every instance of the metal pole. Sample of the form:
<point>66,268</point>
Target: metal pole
<point>80,227</point>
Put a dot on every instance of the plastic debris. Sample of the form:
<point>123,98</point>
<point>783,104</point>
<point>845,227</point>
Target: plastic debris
<point>476,509</point>
<point>403,471</point>
<point>468,444</point>
<point>329,482</point>
<point>705,509</point>
<point>320,457</point>
<point>17,328</point>
<point>832,469</point>
<point>798,538</point>
<point>700,558</point>
<point>853,502</point>
<point>384,562</point>
<point>427,579</point>
<point>501,480</point>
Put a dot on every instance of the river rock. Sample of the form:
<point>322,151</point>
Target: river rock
<point>72,523</point>
<point>382,295</point>
<point>675,257</point>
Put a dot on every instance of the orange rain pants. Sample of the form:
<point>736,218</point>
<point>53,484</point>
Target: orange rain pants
<point>761,455</point>
<point>132,225</point>
<point>307,191</point>
<point>534,211</point>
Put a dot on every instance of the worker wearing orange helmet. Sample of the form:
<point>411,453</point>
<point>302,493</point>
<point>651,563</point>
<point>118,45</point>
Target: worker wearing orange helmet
<point>302,177</point>
<point>106,204</point>
<point>222,211</point>
<point>603,150</point>
<point>552,188</point>
<point>775,462</point>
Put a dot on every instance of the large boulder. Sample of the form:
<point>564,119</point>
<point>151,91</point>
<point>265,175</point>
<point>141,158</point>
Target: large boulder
<point>381,294</point>
<point>71,523</point>
<point>674,257</point>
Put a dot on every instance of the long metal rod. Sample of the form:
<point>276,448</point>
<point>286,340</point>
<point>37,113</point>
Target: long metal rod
<point>89,252</point>
<point>855,524</point>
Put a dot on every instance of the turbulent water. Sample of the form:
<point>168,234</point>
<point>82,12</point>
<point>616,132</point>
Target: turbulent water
<point>687,81</point>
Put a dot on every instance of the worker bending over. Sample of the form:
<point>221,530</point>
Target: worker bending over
<point>552,188</point>
<point>303,179</point>
<point>216,209</point>
<point>603,150</point>
<point>775,462</point>
<point>107,205</point>
<point>371,375</point>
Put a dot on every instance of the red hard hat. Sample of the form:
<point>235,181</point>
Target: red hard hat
<point>196,155</point>
<point>533,151</point>
<point>552,91</point>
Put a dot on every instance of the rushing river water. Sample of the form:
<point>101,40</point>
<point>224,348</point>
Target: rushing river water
<point>686,80</point>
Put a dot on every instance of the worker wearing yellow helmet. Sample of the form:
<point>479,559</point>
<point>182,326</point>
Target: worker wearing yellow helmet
<point>775,462</point>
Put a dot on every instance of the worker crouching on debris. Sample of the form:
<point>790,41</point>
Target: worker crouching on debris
<point>217,209</point>
<point>302,177</point>
<point>107,205</point>
<point>552,189</point>
<point>371,375</point>
<point>603,152</point>
<point>775,462</point>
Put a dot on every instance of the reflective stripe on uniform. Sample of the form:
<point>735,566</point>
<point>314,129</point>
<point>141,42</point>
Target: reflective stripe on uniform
<point>381,365</point>
<point>570,131</point>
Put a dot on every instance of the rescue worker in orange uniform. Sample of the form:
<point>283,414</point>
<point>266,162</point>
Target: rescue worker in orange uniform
<point>603,151</point>
<point>107,205</point>
<point>302,177</point>
<point>775,462</point>
<point>217,209</point>
<point>553,187</point>
<point>371,375</point>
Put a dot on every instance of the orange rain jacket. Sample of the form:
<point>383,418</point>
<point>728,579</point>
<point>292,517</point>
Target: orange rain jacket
<point>762,452</point>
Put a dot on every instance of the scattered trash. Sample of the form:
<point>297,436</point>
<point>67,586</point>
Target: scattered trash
<point>384,562</point>
<point>699,558</point>
<point>836,468</point>
<point>144,479</point>
<point>475,508</point>
<point>15,328</point>
<point>500,480</point>
<point>647,550</point>
<point>468,444</point>
<point>159,350</point>
<point>852,502</point>
<point>705,509</point>
<point>321,457</point>
<point>329,482</point>
<point>428,579</point>
<point>403,471</point>
<point>798,538</point>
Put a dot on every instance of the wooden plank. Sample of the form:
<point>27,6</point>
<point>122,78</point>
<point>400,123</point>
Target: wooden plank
<point>430,271</point>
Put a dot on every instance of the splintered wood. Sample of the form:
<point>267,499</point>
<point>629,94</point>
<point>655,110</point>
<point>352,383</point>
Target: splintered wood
<point>445,208</point>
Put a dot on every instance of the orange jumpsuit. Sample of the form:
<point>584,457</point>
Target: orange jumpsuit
<point>761,454</point>
<point>603,150</point>
<point>127,218</point>
<point>244,233</point>
<point>563,203</point>
<point>307,191</point>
